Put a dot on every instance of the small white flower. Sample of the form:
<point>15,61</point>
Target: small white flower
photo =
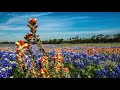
<point>79,76</point>
<point>68,76</point>
<point>6,67</point>
<point>10,67</point>
<point>11,76</point>
<point>6,58</point>
<point>3,69</point>
<point>10,62</point>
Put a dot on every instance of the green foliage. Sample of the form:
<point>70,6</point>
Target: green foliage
<point>74,71</point>
<point>86,72</point>
<point>17,73</point>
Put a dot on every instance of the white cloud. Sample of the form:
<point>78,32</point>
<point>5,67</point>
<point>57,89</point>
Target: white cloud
<point>11,14</point>
<point>82,17</point>
<point>23,18</point>
<point>8,27</point>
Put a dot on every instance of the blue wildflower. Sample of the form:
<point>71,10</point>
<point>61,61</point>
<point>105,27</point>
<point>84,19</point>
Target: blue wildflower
<point>112,74</point>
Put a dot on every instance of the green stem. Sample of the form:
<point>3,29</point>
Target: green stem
<point>39,44</point>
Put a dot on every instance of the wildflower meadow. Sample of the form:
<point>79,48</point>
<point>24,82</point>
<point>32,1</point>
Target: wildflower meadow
<point>28,60</point>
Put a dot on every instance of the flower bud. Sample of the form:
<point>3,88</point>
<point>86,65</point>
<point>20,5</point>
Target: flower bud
<point>33,21</point>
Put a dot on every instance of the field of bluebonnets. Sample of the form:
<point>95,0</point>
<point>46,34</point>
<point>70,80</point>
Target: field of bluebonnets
<point>58,61</point>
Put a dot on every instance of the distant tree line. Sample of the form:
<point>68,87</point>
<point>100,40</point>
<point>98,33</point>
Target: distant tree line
<point>101,38</point>
<point>6,42</point>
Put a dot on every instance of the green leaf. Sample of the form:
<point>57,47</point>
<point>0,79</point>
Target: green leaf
<point>89,76</point>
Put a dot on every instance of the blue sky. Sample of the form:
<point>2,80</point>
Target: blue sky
<point>58,24</point>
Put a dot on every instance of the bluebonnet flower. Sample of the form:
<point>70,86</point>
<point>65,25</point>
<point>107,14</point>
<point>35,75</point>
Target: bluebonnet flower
<point>64,60</point>
<point>106,55</point>
<point>7,63</point>
<point>87,62</point>
<point>69,60</point>
<point>75,56</point>
<point>29,64</point>
<point>90,57</point>
<point>114,55</point>
<point>27,53</point>
<point>38,63</point>
<point>119,65</point>
<point>72,56</point>
<point>95,61</point>
<point>38,66</point>
<point>76,63</point>
<point>97,55</point>
<point>101,73</point>
<point>103,58</point>
<point>40,55</point>
<point>9,71</point>
<point>84,55</point>
<point>13,64</point>
<point>81,57</point>
<point>112,74</point>
<point>4,63</point>
<point>52,53</point>
<point>1,54</point>
<point>80,64</point>
<point>106,68</point>
<point>117,69</point>
<point>34,55</point>
<point>3,73</point>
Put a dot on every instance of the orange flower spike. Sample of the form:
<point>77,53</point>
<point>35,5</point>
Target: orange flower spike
<point>19,58</point>
<point>58,58</point>
<point>44,72</point>
<point>48,76</point>
<point>66,70</point>
<point>33,21</point>
<point>21,45</point>
<point>58,67</point>
<point>42,59</point>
